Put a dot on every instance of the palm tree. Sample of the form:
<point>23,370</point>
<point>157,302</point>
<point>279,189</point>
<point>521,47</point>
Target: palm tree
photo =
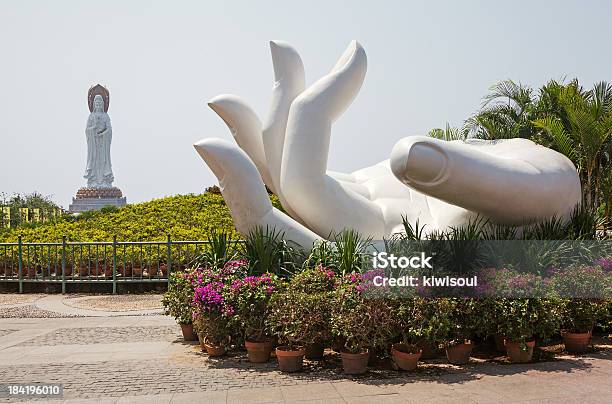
<point>578,124</point>
<point>506,113</point>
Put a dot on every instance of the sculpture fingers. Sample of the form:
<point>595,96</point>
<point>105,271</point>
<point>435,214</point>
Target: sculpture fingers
<point>520,184</point>
<point>245,194</point>
<point>245,128</point>
<point>325,204</point>
<point>289,78</point>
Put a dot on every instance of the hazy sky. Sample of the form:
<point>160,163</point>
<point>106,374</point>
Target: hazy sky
<point>429,63</point>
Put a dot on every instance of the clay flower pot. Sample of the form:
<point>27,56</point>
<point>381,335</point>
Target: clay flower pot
<point>83,271</point>
<point>29,272</point>
<point>258,352</point>
<point>127,271</point>
<point>518,355</point>
<point>213,350</point>
<point>290,360</point>
<point>137,272</point>
<point>404,358</point>
<point>459,354</point>
<point>355,363</point>
<point>500,342</point>
<point>314,351</point>
<point>576,342</point>
<point>188,334</point>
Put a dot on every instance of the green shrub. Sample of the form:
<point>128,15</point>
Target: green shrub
<point>523,319</point>
<point>178,299</point>
<point>360,322</point>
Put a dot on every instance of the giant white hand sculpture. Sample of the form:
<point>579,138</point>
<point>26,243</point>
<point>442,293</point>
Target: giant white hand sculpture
<point>440,183</point>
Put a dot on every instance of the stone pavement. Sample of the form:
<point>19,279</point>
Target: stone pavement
<point>121,358</point>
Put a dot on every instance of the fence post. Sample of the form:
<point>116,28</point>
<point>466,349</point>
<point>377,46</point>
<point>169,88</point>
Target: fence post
<point>169,258</point>
<point>20,262</point>
<point>64,264</point>
<point>114,265</point>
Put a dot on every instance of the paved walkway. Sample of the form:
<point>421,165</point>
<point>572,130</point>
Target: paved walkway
<point>120,358</point>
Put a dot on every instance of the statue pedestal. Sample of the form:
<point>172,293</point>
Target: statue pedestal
<point>96,198</point>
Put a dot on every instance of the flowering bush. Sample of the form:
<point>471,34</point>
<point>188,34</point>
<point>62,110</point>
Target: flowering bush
<point>177,300</point>
<point>585,290</point>
<point>362,323</point>
<point>299,318</point>
<point>315,280</point>
<point>213,310</point>
<point>249,297</point>
<point>300,312</point>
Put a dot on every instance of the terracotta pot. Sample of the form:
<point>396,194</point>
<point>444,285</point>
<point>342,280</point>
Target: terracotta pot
<point>290,361</point>
<point>499,342</point>
<point>188,334</point>
<point>137,272</point>
<point>459,354</point>
<point>403,358</point>
<point>97,270</point>
<point>152,272</point>
<point>518,355</point>
<point>258,352</point>
<point>127,271</point>
<point>108,272</point>
<point>83,271</point>
<point>314,351</point>
<point>576,342</point>
<point>164,270</point>
<point>29,272</point>
<point>355,364</point>
<point>213,349</point>
<point>67,270</point>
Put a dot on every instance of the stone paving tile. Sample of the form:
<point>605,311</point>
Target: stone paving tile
<point>14,298</point>
<point>30,311</point>
<point>104,335</point>
<point>118,303</point>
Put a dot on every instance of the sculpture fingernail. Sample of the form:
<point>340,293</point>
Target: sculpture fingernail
<point>425,163</point>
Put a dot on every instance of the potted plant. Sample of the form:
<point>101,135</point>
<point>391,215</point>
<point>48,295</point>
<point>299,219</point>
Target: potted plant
<point>524,319</point>
<point>177,302</point>
<point>250,296</point>
<point>351,321</point>
<point>584,290</point>
<point>319,281</point>
<point>211,317</point>
<point>412,327</point>
<point>297,318</point>
<point>456,320</point>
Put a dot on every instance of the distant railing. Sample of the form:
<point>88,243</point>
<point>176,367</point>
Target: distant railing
<point>113,262</point>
